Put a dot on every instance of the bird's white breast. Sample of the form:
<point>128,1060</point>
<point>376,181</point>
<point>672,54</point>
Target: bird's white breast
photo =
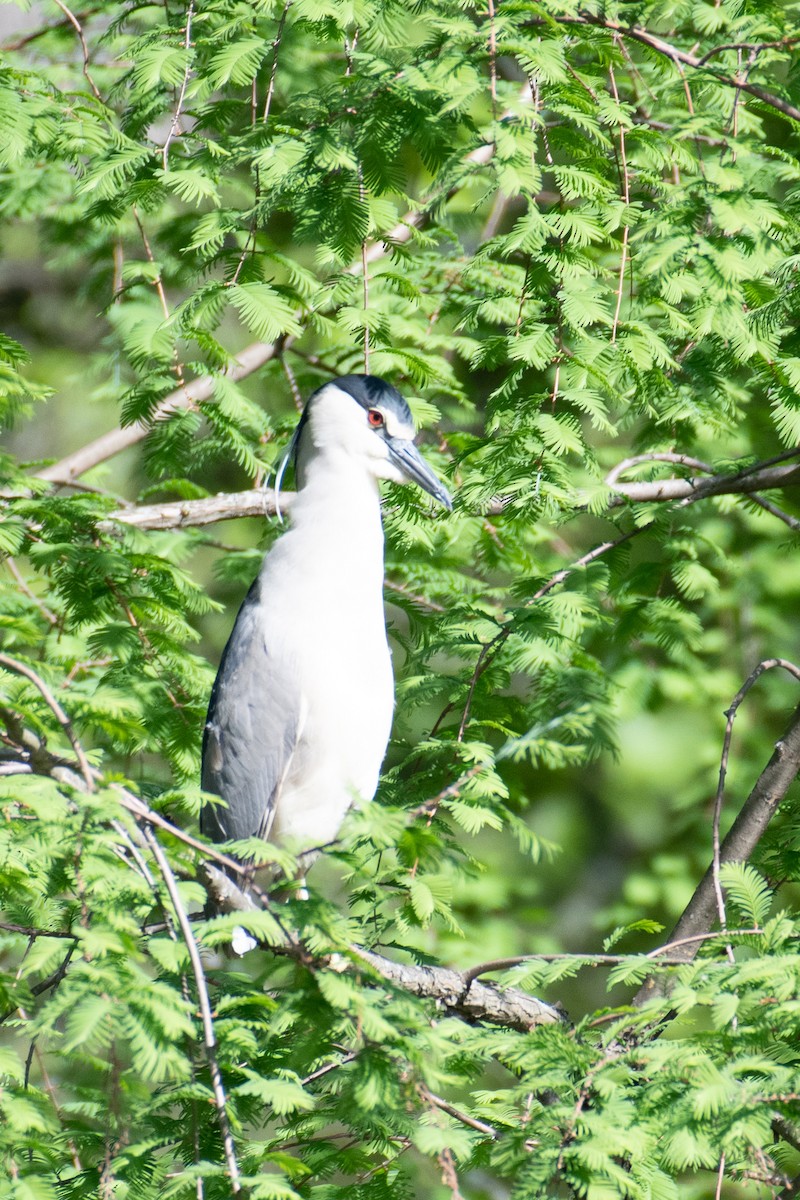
<point>331,628</point>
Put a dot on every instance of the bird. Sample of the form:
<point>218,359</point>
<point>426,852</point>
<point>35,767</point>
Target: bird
<point>300,712</point>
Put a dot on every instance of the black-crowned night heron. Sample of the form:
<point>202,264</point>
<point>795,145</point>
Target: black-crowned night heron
<point>301,710</point>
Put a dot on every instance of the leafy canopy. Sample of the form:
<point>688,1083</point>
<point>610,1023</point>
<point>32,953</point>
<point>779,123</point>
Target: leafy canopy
<point>570,234</point>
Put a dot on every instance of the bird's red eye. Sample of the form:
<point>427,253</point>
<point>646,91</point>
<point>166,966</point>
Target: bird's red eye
<point>375,418</point>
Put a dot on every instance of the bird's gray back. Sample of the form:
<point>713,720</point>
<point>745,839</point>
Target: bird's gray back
<point>251,729</point>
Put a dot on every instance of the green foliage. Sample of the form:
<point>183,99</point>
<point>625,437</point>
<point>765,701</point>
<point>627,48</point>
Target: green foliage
<point>581,249</point>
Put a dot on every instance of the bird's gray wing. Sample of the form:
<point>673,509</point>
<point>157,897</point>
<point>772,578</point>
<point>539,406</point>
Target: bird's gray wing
<point>251,731</point>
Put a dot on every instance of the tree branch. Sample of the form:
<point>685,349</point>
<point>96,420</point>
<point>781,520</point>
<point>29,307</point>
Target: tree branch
<point>755,479</point>
<point>645,38</point>
<point>69,468</point>
<point>258,502</point>
<point>452,990</point>
<point>744,835</point>
<point>181,514</point>
<point>209,1037</point>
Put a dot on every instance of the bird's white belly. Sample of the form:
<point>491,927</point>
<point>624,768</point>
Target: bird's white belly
<point>347,704</point>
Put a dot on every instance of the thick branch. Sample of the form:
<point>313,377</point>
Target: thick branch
<point>454,991</point>
<point>475,1001</point>
<point>700,486</point>
<point>748,828</point>
<point>180,514</point>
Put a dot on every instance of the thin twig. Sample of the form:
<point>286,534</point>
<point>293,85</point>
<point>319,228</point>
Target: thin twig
<point>176,120</point>
<point>274,69</point>
<point>49,616</point>
<point>158,284</point>
<point>683,460</point>
<point>766,665</point>
<point>783,44</point>
<point>209,1037</point>
<point>720,1177</point>
<point>661,954</point>
<point>774,511</point>
<point>76,25</point>
<point>13,664</point>
<point>465,1119</point>
<point>490,649</point>
<point>401,589</point>
<point>492,59</point>
<point>29,931</point>
<point>626,196</point>
<point>25,39</point>
<point>328,1068</point>
<point>365,284</point>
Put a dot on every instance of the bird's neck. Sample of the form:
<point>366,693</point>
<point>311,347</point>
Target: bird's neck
<point>339,506</point>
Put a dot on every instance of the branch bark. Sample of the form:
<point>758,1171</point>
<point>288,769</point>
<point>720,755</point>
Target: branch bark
<point>180,514</point>
<point>455,991</point>
<point>227,506</point>
<point>700,486</point>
